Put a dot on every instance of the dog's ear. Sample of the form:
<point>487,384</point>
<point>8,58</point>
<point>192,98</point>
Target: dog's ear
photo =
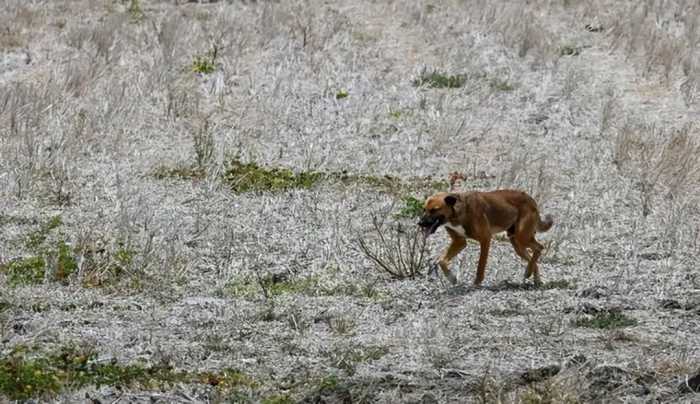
<point>451,199</point>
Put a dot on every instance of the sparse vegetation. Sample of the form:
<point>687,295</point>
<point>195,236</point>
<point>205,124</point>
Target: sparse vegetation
<point>411,208</point>
<point>25,271</point>
<point>606,320</point>
<point>347,358</point>
<point>437,79</point>
<point>183,185</point>
<point>341,94</point>
<point>569,50</point>
<point>135,11</point>
<point>249,177</point>
<point>24,376</point>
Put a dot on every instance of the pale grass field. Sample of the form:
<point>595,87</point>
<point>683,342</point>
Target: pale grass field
<point>590,106</point>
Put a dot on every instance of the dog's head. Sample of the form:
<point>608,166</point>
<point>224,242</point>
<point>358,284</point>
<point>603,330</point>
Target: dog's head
<point>436,211</point>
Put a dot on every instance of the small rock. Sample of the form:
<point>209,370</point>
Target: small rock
<point>654,256</point>
<point>537,118</point>
<point>670,304</point>
<point>540,374</point>
<point>455,373</point>
<point>594,26</point>
<point>691,385</point>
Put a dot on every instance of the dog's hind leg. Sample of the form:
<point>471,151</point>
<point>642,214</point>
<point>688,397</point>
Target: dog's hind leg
<point>521,251</point>
<point>532,265</point>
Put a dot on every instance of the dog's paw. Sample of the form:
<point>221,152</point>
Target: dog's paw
<point>451,277</point>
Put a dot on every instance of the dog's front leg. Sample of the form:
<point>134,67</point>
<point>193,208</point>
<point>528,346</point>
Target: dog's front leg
<point>484,244</point>
<point>456,246</point>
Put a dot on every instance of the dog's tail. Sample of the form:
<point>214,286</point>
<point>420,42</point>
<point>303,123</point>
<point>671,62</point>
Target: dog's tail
<point>546,224</point>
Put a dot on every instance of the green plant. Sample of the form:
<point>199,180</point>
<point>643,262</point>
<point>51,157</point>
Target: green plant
<point>278,399</point>
<point>203,64</point>
<point>606,320</point>
<point>135,11</point>
<point>437,79</point>
<point>37,238</point>
<point>66,264</point>
<point>341,325</point>
<point>105,265</point>
<point>347,358</point>
<point>341,94</point>
<point>249,177</point>
<point>25,271</point>
<point>22,377</point>
<point>569,50</point>
<point>412,207</point>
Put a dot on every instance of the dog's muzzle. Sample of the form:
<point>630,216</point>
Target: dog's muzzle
<point>430,224</point>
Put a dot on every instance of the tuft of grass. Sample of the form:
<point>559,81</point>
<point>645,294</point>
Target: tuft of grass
<point>23,378</point>
<point>549,391</point>
<point>396,114</point>
<point>11,39</point>
<point>501,85</point>
<point>388,183</point>
<point>606,320</point>
<point>341,325</point>
<point>135,11</point>
<point>249,177</point>
<point>437,79</point>
<point>347,358</point>
<point>180,172</point>
<point>203,65</point>
<point>26,271</point>
<point>569,50</point>
<point>278,399</point>
<point>66,264</point>
<point>341,94</point>
<point>412,207</point>
<point>37,238</point>
<point>102,268</point>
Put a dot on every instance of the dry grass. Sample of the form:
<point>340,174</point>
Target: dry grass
<point>588,106</point>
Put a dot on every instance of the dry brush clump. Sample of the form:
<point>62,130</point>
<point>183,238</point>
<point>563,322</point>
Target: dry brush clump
<point>661,162</point>
<point>664,36</point>
<point>395,249</point>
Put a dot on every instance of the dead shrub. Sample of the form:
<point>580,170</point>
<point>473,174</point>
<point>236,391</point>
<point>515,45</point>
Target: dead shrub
<point>396,250</point>
<point>658,160</point>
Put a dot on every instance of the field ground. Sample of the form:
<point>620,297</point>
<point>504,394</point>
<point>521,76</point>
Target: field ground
<point>184,185</point>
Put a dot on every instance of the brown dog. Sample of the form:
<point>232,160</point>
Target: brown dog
<point>480,215</point>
